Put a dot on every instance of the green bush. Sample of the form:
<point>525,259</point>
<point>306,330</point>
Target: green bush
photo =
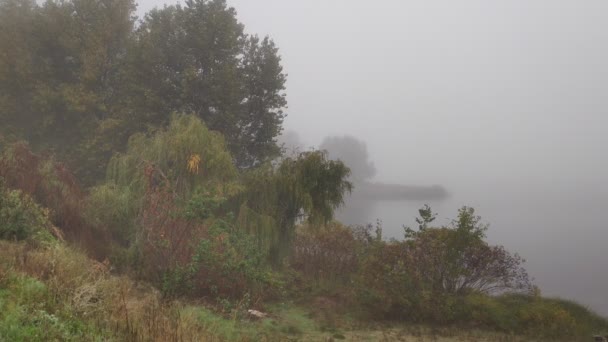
<point>226,263</point>
<point>113,209</point>
<point>21,218</point>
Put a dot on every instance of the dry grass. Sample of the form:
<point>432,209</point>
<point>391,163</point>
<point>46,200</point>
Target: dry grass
<point>128,310</point>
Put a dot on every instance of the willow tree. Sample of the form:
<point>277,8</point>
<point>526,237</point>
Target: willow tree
<point>187,155</point>
<point>163,193</point>
<point>308,187</point>
<point>186,161</point>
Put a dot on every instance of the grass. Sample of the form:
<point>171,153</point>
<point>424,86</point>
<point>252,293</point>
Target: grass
<point>27,313</point>
<point>55,293</point>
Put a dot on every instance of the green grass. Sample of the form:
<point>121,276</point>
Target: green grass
<point>28,313</point>
<point>285,321</point>
<point>38,302</point>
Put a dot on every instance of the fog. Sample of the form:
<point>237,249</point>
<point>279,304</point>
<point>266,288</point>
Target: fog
<point>504,104</point>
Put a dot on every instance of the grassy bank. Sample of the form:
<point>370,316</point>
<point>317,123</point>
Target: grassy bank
<point>56,293</point>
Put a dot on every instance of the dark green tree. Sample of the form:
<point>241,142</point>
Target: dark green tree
<point>58,73</point>
<point>78,79</point>
<point>197,59</point>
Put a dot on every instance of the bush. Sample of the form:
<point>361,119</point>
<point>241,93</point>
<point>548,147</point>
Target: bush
<point>21,218</point>
<point>114,210</point>
<point>228,263</point>
<point>385,284</point>
<point>427,276</point>
<point>53,186</point>
<point>326,254</point>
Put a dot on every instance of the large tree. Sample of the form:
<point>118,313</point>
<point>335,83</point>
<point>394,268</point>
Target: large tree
<point>196,59</point>
<point>77,77</point>
<point>59,68</point>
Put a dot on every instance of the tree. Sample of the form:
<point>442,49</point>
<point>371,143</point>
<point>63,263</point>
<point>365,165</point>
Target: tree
<point>78,79</point>
<point>186,155</point>
<point>307,187</point>
<point>352,152</point>
<point>58,73</point>
<point>197,59</point>
<point>426,217</point>
<point>264,100</point>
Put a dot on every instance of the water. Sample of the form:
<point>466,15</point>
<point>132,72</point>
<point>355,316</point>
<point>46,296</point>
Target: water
<point>560,229</point>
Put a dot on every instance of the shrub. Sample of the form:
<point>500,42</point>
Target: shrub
<point>328,253</point>
<point>456,259</point>
<point>228,263</point>
<point>427,276</point>
<point>21,218</point>
<point>385,282</point>
<point>188,251</point>
<point>114,210</point>
<point>53,186</point>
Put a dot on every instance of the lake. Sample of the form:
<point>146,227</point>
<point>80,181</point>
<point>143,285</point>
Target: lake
<point>560,229</point>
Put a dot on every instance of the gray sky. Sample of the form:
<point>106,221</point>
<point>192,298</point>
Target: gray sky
<point>518,88</point>
<point>503,102</point>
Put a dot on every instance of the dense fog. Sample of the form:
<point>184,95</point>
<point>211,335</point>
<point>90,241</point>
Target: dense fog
<point>501,105</point>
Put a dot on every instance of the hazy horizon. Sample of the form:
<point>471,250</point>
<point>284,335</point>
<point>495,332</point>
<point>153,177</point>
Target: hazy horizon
<point>504,104</point>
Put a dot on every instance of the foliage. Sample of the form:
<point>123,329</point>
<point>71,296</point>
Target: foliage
<point>228,264</point>
<point>426,217</point>
<point>328,254</point>
<point>190,252</point>
<point>307,187</point>
<point>114,210</point>
<point>427,275</point>
<point>78,78</point>
<point>456,259</point>
<point>58,293</point>
<point>165,157</point>
<point>59,75</point>
<point>197,59</point>
<point>161,189</point>
<point>51,185</point>
<point>21,218</point>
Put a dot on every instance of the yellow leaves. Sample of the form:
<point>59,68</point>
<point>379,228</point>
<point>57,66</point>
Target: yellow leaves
<point>193,163</point>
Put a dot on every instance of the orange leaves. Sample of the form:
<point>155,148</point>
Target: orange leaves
<point>193,163</point>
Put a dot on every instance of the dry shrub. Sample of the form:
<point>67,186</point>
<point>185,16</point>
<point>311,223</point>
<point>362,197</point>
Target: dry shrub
<point>165,237</point>
<point>52,186</point>
<point>328,253</point>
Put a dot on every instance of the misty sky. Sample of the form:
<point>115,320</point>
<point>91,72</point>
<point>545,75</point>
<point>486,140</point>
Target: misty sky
<point>509,90</point>
<point>503,102</point>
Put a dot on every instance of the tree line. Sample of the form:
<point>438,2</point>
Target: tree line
<point>79,77</point>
